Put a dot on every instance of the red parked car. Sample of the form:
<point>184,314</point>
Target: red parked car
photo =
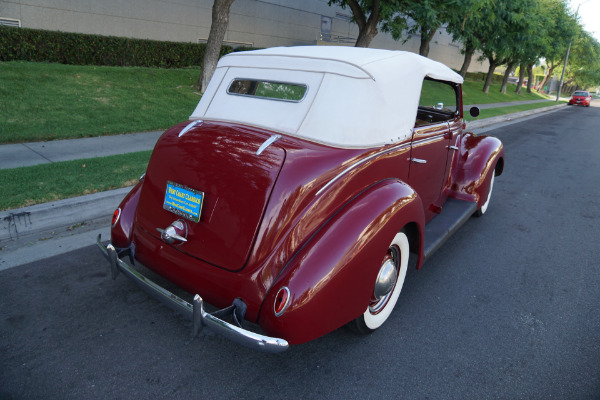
<point>580,97</point>
<point>295,194</point>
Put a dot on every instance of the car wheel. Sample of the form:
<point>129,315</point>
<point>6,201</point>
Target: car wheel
<point>485,205</point>
<point>387,286</point>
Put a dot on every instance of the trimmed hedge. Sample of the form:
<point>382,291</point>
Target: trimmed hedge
<point>23,44</point>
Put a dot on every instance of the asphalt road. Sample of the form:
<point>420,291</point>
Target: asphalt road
<point>507,309</point>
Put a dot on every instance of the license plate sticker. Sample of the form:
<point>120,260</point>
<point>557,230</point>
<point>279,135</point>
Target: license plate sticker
<point>183,201</point>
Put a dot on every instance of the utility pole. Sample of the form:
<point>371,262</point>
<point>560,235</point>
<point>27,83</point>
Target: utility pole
<point>562,76</point>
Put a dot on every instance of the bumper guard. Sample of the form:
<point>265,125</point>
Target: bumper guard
<point>195,312</point>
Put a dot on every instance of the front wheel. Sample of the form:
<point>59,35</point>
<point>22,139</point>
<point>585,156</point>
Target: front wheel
<point>387,287</point>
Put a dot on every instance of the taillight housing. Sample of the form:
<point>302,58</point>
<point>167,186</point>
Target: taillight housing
<point>281,301</point>
<point>115,217</point>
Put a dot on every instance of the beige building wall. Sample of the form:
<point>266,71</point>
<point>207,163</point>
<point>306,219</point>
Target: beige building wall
<point>259,23</point>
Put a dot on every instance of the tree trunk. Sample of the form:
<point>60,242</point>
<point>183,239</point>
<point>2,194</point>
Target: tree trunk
<point>547,77</point>
<point>426,38</point>
<point>509,69</point>
<point>530,77</point>
<point>490,75</point>
<point>521,78</point>
<point>466,62</point>
<point>365,35</point>
<point>367,28</point>
<point>218,27</point>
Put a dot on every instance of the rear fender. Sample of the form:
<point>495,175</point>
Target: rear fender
<point>480,156</point>
<point>120,234</point>
<point>331,278</point>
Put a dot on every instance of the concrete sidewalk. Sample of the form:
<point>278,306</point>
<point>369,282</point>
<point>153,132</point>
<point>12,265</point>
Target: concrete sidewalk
<point>34,153</point>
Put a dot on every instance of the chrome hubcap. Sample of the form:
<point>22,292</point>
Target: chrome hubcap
<point>386,281</point>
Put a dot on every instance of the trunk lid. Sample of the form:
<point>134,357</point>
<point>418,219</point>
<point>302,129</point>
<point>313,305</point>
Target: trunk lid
<point>220,160</point>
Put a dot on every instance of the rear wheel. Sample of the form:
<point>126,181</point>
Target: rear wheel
<point>387,287</point>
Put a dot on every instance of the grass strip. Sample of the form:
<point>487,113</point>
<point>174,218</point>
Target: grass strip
<point>54,101</point>
<point>27,186</point>
<point>494,112</point>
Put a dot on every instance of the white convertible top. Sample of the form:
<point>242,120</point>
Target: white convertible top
<point>356,97</point>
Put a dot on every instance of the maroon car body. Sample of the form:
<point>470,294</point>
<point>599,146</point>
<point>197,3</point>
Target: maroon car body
<point>301,231</point>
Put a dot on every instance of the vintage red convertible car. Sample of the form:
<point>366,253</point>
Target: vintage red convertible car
<point>299,187</point>
<point>580,97</point>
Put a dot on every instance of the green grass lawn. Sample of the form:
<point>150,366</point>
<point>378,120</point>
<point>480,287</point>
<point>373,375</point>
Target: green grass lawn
<point>473,94</point>
<point>48,182</point>
<point>41,101</point>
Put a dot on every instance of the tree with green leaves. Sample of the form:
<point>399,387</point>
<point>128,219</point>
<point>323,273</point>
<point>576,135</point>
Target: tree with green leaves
<point>563,28</point>
<point>536,41</point>
<point>583,69</point>
<point>424,18</point>
<point>469,28</point>
<point>525,24</point>
<point>368,15</point>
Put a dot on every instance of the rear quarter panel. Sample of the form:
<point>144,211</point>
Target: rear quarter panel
<point>331,277</point>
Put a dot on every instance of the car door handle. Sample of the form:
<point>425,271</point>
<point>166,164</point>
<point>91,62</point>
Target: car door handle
<point>418,161</point>
<point>452,147</point>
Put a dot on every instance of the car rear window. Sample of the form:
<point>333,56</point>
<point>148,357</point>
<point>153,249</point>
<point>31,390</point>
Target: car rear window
<point>282,91</point>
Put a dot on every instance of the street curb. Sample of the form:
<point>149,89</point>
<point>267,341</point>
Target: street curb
<point>483,123</point>
<point>30,220</point>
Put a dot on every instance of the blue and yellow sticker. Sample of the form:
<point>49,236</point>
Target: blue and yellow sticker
<point>183,201</point>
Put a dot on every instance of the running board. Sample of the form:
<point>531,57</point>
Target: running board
<point>454,214</point>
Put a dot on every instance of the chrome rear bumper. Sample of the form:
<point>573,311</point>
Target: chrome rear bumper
<point>194,312</point>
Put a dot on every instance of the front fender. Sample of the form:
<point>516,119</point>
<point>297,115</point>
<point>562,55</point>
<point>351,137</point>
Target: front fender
<point>331,277</point>
<point>480,156</point>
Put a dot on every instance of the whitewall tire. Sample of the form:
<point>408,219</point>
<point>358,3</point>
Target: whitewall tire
<point>379,309</point>
<point>485,205</point>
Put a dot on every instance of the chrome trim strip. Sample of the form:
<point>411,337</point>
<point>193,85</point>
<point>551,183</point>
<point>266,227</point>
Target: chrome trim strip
<point>356,164</point>
<point>190,126</point>
<point>267,143</point>
<point>194,312</point>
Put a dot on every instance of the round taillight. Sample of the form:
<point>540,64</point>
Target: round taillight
<point>281,301</point>
<point>115,217</point>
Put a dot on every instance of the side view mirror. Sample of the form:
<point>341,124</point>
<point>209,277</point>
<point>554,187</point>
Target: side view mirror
<point>474,111</point>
